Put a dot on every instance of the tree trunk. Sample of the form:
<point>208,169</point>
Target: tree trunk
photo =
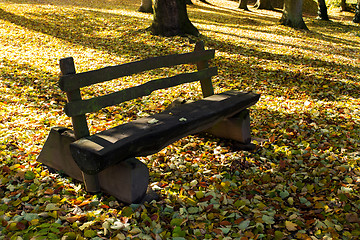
<point>243,4</point>
<point>171,18</point>
<point>343,6</point>
<point>357,13</point>
<point>322,13</point>
<point>264,4</point>
<point>146,6</point>
<point>292,14</point>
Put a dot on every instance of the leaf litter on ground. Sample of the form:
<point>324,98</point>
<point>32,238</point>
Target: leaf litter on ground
<point>303,182</point>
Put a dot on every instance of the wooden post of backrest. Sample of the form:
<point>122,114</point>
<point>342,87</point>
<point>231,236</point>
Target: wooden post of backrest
<point>79,122</point>
<point>206,84</point>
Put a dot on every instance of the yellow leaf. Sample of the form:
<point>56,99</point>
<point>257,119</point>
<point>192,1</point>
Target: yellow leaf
<point>290,226</point>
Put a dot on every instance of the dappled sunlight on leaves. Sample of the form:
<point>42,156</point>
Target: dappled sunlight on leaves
<point>301,181</point>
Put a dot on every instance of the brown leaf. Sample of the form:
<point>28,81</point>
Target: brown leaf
<point>191,192</point>
<point>21,226</point>
<point>352,218</point>
<point>238,221</point>
<point>209,208</point>
<point>225,223</point>
<point>6,169</point>
<point>282,164</point>
<point>154,217</point>
<point>205,199</point>
<point>75,218</point>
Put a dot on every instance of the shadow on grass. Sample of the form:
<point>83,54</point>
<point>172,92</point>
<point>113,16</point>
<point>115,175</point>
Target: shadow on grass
<point>79,3</point>
<point>79,27</point>
<point>19,77</point>
<point>252,20</point>
<point>220,16</point>
<point>323,28</point>
<point>276,79</point>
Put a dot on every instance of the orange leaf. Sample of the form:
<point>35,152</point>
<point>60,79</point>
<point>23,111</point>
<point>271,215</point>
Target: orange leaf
<point>49,191</point>
<point>238,221</point>
<point>77,202</point>
<point>84,203</point>
<point>203,184</point>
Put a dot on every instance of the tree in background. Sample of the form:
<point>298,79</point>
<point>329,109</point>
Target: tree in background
<point>243,4</point>
<point>357,13</point>
<point>292,14</point>
<point>343,5</point>
<point>322,13</point>
<point>146,6</point>
<point>263,4</point>
<point>171,18</point>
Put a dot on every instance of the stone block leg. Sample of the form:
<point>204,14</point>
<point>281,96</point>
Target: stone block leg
<point>56,153</point>
<point>127,181</point>
<point>236,128</point>
<point>91,182</point>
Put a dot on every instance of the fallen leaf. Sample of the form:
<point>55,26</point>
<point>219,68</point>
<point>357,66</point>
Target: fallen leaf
<point>290,226</point>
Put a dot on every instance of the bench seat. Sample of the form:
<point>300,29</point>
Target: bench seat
<point>149,135</point>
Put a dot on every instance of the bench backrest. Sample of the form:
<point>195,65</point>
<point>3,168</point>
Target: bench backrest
<point>71,82</point>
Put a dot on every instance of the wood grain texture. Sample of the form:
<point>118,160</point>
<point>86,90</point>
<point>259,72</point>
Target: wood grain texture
<point>206,83</point>
<point>76,81</point>
<point>79,122</point>
<point>81,107</point>
<point>149,135</point>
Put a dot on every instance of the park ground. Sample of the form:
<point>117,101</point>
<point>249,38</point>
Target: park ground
<point>302,181</point>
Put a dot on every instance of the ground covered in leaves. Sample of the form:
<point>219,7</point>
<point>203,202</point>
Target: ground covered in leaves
<point>302,182</point>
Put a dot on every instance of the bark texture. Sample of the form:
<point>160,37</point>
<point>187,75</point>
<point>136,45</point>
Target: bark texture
<point>357,13</point>
<point>243,4</point>
<point>171,18</point>
<point>343,6</point>
<point>146,6</point>
<point>292,14</point>
<point>322,13</point>
<point>264,4</point>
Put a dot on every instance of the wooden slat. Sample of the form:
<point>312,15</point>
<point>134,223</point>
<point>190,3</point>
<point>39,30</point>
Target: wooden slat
<point>94,104</point>
<point>72,82</point>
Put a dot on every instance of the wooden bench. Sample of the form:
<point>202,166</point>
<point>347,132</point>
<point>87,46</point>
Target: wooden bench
<point>107,160</point>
